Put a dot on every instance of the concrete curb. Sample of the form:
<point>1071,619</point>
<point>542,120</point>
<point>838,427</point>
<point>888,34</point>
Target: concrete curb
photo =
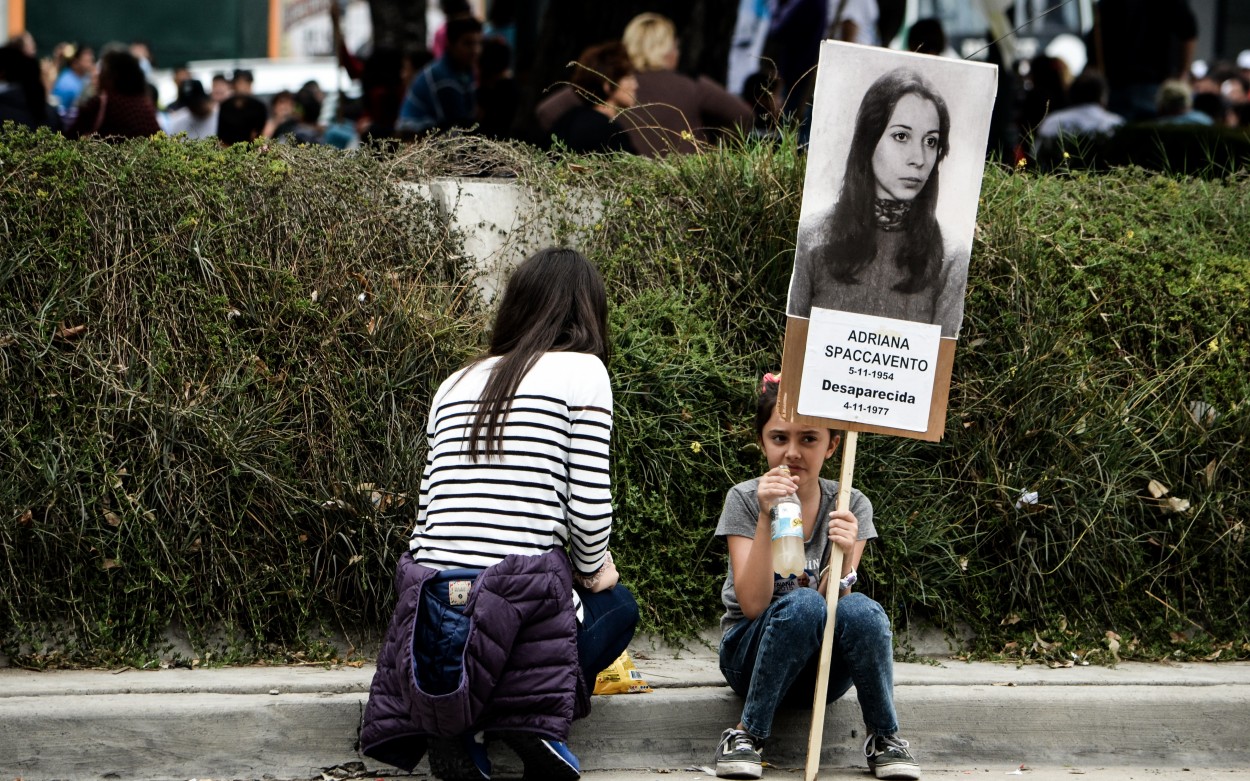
<point>225,723</point>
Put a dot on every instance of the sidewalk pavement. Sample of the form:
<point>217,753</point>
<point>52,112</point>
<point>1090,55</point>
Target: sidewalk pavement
<point>964,720</point>
<point>982,773</point>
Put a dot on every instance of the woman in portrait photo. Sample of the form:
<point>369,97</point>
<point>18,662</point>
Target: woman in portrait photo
<point>880,250</point>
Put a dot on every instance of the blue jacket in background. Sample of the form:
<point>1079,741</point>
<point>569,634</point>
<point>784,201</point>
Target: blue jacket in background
<point>441,97</point>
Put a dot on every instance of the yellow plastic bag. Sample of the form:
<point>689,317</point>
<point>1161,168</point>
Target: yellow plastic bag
<point>622,677</point>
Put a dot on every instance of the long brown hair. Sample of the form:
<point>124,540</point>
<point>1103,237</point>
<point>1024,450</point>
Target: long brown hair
<point>852,245</point>
<point>555,301</point>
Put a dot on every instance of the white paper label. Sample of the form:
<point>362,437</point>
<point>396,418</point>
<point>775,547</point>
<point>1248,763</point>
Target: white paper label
<point>866,369</point>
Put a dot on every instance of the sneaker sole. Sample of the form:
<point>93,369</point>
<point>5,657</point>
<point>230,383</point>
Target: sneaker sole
<point>450,762</point>
<point>738,770</point>
<point>900,771</point>
<point>541,762</point>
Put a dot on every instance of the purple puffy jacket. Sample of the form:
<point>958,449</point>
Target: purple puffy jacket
<point>522,637</point>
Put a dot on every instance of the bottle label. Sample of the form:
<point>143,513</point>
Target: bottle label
<point>787,520</point>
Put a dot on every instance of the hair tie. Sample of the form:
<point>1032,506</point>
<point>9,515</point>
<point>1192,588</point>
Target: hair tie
<point>770,379</point>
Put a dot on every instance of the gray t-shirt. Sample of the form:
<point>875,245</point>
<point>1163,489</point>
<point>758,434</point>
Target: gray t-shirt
<point>741,513</point>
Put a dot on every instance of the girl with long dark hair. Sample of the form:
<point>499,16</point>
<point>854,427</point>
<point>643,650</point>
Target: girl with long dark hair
<point>499,632</point>
<point>880,251</point>
<point>772,627</point>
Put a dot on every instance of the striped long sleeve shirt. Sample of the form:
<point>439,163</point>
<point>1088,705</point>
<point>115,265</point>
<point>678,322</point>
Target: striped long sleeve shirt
<point>548,488</point>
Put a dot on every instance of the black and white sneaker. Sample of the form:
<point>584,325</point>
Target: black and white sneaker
<point>545,759</point>
<point>738,755</point>
<point>889,757</point>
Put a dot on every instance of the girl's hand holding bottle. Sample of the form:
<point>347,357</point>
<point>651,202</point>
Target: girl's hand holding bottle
<point>774,484</point>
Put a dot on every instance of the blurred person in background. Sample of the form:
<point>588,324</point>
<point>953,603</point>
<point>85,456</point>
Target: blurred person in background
<point>762,90</point>
<point>1046,81</point>
<point>293,116</point>
<point>197,112</point>
<point>1226,86</point>
<point>1236,88</point>
<point>794,35</point>
<point>180,76</point>
<point>26,43</point>
<point>312,97</point>
<point>746,45</point>
<point>501,24</point>
<point>1175,105</point>
<point>121,108</point>
<point>221,88</point>
<point>450,9</point>
<point>241,82</point>
<point>384,77</point>
<point>1086,116</point>
<point>926,36</point>
<point>143,54</point>
<point>48,71</point>
<point>604,79</point>
<point>443,96</point>
<point>23,98</point>
<point>1217,107</point>
<point>853,21</point>
<point>1139,44</point>
<point>498,94</point>
<point>284,115</point>
<point>74,77</point>
<point>675,112</point>
<point>240,119</point>
<point>60,57</point>
<point>341,132</point>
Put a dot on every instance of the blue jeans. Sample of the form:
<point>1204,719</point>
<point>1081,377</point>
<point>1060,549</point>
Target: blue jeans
<point>778,654</point>
<point>609,620</point>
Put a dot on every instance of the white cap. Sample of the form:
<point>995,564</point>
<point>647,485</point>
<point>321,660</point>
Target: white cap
<point>1243,59</point>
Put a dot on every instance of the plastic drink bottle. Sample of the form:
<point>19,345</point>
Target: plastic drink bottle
<point>787,521</point>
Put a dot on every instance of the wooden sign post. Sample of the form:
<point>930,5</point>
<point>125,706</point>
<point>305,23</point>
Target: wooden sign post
<point>816,734</point>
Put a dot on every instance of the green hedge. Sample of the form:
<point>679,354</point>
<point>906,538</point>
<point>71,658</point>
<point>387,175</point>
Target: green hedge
<point>233,440</point>
<point>220,449</point>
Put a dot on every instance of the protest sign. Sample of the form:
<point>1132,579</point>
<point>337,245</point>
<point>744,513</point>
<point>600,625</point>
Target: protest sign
<point>885,233</point>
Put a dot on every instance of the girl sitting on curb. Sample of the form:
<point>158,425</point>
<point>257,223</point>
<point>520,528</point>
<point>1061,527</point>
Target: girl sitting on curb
<point>772,627</point>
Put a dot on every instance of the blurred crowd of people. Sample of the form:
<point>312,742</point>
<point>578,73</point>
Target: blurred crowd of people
<point>79,94</point>
<point>625,94</point>
<point>1141,68</point>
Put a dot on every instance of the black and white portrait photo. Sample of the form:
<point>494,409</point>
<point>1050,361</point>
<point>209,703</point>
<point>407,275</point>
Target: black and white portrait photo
<point>893,177</point>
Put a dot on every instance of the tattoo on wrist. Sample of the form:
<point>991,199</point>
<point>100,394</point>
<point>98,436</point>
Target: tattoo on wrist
<point>590,582</point>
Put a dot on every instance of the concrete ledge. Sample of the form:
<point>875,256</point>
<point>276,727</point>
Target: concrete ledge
<point>176,736</point>
<point>224,723</point>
